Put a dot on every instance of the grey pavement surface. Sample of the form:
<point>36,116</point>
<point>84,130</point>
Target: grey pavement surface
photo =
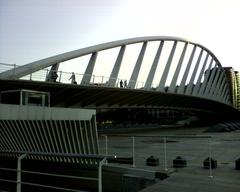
<point>194,145</point>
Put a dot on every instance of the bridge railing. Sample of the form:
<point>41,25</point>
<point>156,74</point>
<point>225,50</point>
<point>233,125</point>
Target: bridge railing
<point>21,172</point>
<point>204,89</point>
<point>65,77</point>
<point>194,149</point>
<point>6,66</point>
<point>95,80</point>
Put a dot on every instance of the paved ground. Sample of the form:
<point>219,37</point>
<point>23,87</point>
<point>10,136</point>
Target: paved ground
<point>190,180</point>
<point>192,144</point>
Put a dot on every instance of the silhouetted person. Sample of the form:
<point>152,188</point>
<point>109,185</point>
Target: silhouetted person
<point>125,84</point>
<point>73,78</point>
<point>54,76</point>
<point>121,83</point>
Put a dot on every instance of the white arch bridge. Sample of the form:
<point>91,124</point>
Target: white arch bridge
<point>181,74</point>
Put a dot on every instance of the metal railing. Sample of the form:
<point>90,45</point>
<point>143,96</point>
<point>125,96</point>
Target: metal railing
<point>64,77</point>
<point>96,80</point>
<point>22,155</point>
<point>165,148</point>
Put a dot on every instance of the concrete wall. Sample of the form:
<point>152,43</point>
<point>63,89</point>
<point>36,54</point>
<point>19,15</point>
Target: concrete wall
<point>24,112</point>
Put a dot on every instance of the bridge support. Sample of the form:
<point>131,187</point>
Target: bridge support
<point>162,83</point>
<point>137,67</point>
<point>181,89</point>
<point>173,84</point>
<point>116,68</point>
<point>198,84</point>
<point>89,70</point>
<point>205,81</point>
<point>191,82</point>
<point>154,67</point>
<point>212,75</point>
<point>214,85</point>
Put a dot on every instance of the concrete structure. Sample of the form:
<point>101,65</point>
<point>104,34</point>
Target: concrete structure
<point>237,74</point>
<point>31,128</point>
<point>33,134</point>
<point>234,84</point>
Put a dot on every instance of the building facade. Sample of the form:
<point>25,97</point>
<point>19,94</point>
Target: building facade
<point>234,82</point>
<point>237,74</point>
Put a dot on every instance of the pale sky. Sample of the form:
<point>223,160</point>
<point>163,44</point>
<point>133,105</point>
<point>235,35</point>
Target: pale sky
<point>35,29</point>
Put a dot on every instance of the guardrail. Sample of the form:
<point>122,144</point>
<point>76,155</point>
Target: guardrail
<point>65,77</point>
<point>164,147</point>
<point>22,155</point>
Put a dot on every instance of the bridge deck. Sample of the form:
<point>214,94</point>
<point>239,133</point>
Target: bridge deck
<point>67,95</point>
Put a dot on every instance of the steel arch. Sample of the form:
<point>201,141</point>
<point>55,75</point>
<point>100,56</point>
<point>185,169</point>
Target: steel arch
<point>214,86</point>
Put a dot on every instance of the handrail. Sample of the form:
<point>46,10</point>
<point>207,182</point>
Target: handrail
<point>63,77</point>
<point>25,154</point>
<point>58,154</point>
<point>104,81</point>
<point>171,136</point>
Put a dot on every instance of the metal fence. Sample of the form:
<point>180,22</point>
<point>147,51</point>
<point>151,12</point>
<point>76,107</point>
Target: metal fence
<point>65,77</point>
<point>19,171</point>
<point>193,149</point>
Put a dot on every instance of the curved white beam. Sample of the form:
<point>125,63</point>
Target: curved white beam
<point>41,64</point>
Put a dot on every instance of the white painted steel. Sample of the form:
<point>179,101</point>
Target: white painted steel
<point>211,73</point>
<point>183,85</point>
<point>205,81</point>
<point>196,88</point>
<point>135,73</point>
<point>19,172</point>
<point>89,70</point>
<point>214,84</point>
<point>207,88</point>
<point>191,82</point>
<point>116,68</point>
<point>173,84</point>
<point>161,86</point>
<point>152,72</point>
<point>101,163</point>
<point>220,85</point>
<point>41,64</point>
